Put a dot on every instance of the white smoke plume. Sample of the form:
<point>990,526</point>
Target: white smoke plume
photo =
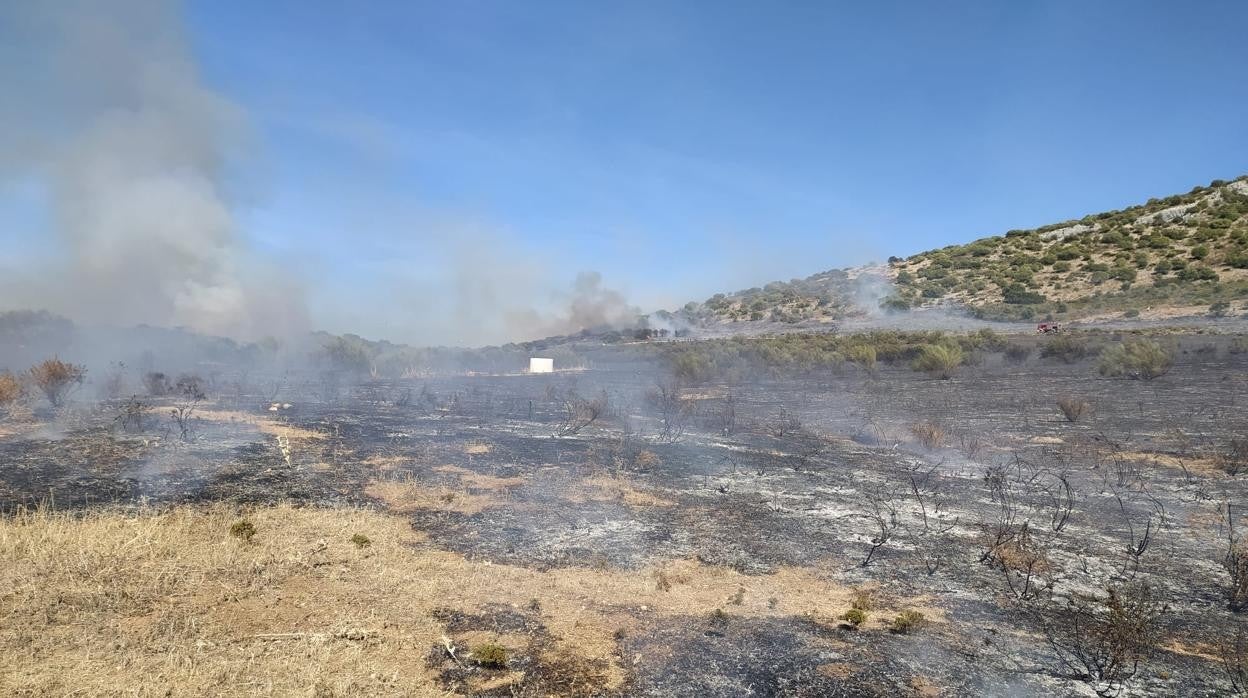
<point>134,155</point>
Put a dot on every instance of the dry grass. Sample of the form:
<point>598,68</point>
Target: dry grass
<point>477,481</point>
<point>929,434</point>
<point>408,495</point>
<point>149,602</point>
<point>259,423</point>
<point>1072,408</point>
<point>606,488</point>
<point>11,389</point>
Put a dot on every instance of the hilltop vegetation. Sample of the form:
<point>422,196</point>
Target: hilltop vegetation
<point>1186,251</point>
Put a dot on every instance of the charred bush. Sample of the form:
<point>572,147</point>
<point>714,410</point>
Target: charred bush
<point>578,412</point>
<point>190,387</point>
<point>1233,656</point>
<point>11,390</point>
<point>931,435</point>
<point>1236,564</point>
<point>1232,457</point>
<point>1072,408</point>
<point>1103,640</point>
<point>1140,359</point>
<point>1017,353</point>
<point>674,411</point>
<point>57,379</point>
<point>157,384</point>
<point>130,417</point>
<point>114,384</point>
<point>782,424</point>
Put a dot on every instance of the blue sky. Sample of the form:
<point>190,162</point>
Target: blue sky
<point>684,148</point>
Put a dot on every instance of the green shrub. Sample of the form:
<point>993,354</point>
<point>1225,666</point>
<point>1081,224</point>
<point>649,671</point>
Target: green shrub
<point>1198,273</point>
<point>361,540</point>
<point>940,360</point>
<point>1065,347</point>
<point>907,622</point>
<point>1017,294</point>
<point>862,354</point>
<point>854,617</point>
<point>243,530</point>
<point>490,655</point>
<point>1141,359</point>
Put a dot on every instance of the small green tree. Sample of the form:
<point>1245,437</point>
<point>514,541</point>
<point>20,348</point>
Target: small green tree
<point>939,360</point>
<point>1140,359</point>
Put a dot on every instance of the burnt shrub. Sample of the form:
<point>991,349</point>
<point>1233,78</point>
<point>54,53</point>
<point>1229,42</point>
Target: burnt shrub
<point>156,384</point>
<point>1072,408</point>
<point>1232,457</point>
<point>1017,353</point>
<point>930,434</point>
<point>939,360</point>
<point>1236,564</point>
<point>190,386</point>
<point>1065,348</point>
<point>1104,639</point>
<point>57,379</point>
<point>11,389</point>
<point>1140,359</point>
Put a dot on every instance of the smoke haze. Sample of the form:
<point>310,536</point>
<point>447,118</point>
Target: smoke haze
<point>133,155</point>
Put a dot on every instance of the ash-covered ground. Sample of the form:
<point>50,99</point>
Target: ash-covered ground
<point>1022,535</point>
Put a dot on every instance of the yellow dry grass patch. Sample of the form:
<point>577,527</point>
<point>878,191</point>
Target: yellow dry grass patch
<point>607,488</point>
<point>1206,467</point>
<point>409,495</point>
<point>475,480</point>
<point>385,463</point>
<point>261,424</point>
<point>146,602</point>
<point>477,449</point>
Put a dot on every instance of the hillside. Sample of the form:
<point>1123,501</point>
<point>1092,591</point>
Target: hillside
<point>1184,254</point>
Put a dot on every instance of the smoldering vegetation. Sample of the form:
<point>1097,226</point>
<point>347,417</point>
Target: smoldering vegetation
<point>880,513</point>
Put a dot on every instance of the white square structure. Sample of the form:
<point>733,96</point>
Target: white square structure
<point>541,365</point>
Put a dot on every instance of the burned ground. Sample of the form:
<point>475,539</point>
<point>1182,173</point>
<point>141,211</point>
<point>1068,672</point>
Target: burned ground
<point>727,531</point>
